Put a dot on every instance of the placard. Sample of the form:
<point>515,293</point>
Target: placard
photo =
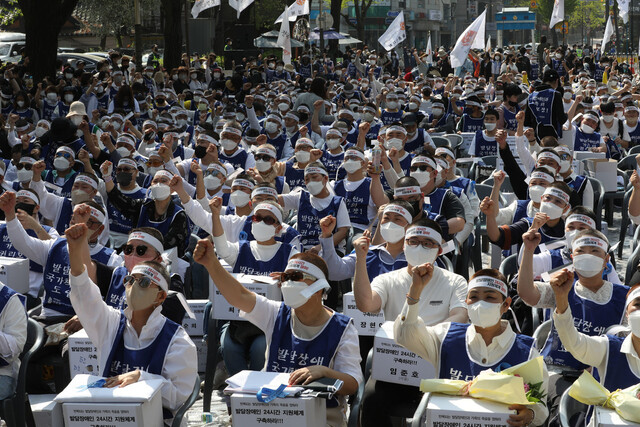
<point>83,355</point>
<point>261,285</point>
<point>193,327</point>
<point>367,324</point>
<point>246,411</point>
<point>455,411</point>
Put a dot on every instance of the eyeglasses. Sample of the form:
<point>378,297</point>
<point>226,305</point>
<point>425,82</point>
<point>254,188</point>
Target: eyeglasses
<point>356,158</point>
<point>264,157</point>
<point>427,244</point>
<point>63,154</point>
<point>154,163</point>
<point>26,166</point>
<point>124,170</point>
<point>93,224</point>
<point>140,249</point>
<point>296,276</point>
<point>143,281</point>
<point>421,168</point>
<point>266,219</point>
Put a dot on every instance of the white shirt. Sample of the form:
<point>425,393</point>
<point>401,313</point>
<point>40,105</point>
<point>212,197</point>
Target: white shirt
<point>13,334</point>
<point>506,215</point>
<point>101,323</point>
<point>346,359</point>
<point>426,341</point>
<point>445,291</point>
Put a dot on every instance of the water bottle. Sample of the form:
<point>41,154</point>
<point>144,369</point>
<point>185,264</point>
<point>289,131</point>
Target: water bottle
<point>376,155</point>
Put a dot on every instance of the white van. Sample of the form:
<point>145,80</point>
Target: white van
<point>10,46</point>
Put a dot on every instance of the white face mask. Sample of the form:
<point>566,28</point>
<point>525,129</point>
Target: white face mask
<point>413,106</point>
<point>68,97</point>
<point>558,56</point>
<point>394,143</point>
<point>608,118</point>
<point>315,187</point>
<point>564,165</point>
<point>303,156</point>
<point>76,120</point>
<point>116,125</point>
<point>240,198</point>
<point>588,265</point>
<point>417,255</point>
<point>263,165</point>
<point>392,232</point>
<point>422,177</point>
<point>159,191</point>
<point>24,175</point>
<point>352,166</point>
<point>271,127</point>
<point>439,177</point>
<point>212,182</point>
<point>60,163</point>
<point>52,96</point>
<point>79,196</point>
<point>634,322</point>
<point>490,126</point>
<point>392,105</point>
<point>484,314</point>
<point>283,106</point>
<point>20,104</point>
<point>333,143</point>
<point>40,131</point>
<point>567,95</point>
<point>368,117</point>
<point>240,117</point>
<point>291,293</point>
<point>569,236</point>
<point>586,128</point>
<point>536,192</point>
<point>551,209</point>
<point>228,144</point>
<point>437,112</point>
<point>263,232</point>
<point>123,151</point>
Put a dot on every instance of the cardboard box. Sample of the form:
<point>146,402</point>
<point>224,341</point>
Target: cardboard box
<point>610,418</point>
<point>83,355</point>
<point>395,364</point>
<point>246,411</point>
<point>605,171</point>
<point>138,404</point>
<point>14,273</point>
<point>46,412</point>
<point>261,285</point>
<point>201,348</point>
<point>366,323</point>
<point>465,411</point>
<point>579,156</point>
<point>193,327</point>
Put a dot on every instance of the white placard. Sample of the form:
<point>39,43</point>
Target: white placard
<point>367,324</point>
<point>193,327</point>
<point>246,411</point>
<point>83,355</point>
<point>610,418</point>
<point>261,285</point>
<point>457,411</point>
<point>14,273</point>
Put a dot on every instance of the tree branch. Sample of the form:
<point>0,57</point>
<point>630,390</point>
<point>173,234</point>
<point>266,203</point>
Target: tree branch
<point>347,19</point>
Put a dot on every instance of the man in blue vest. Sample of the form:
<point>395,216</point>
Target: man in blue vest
<point>545,110</point>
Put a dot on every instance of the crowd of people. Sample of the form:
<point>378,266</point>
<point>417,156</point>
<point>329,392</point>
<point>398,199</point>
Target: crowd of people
<point>128,189</point>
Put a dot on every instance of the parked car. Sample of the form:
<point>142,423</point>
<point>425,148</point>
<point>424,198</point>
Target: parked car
<point>91,61</point>
<point>10,46</point>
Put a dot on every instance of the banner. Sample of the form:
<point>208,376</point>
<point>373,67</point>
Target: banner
<point>429,51</point>
<point>623,10</point>
<point>240,5</point>
<point>608,32</point>
<point>284,38</point>
<point>395,34</point>
<point>201,5</point>
<point>472,37</point>
<point>558,13</point>
<point>488,45</point>
<point>298,8</point>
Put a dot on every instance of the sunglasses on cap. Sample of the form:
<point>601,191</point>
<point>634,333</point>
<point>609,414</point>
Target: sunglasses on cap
<point>140,249</point>
<point>264,157</point>
<point>143,281</point>
<point>266,219</point>
<point>421,168</point>
<point>26,166</point>
<point>296,276</point>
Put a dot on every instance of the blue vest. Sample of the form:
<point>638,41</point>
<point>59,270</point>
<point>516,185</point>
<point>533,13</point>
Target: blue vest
<point>118,223</point>
<point>309,218</point>
<point>456,363</point>
<point>48,109</point>
<point>103,101</point>
<point>521,210</point>
<point>65,216</point>
<point>332,162</point>
<point>417,144</point>
<point>376,265</point>
<point>293,176</point>
<point>288,352</point>
<point>510,122</point>
<point>357,201</point>
<point>161,226</point>
<point>26,114</point>
<point>635,136</point>
<point>472,124</point>
<point>248,264</point>
<point>540,103</point>
<point>436,199</point>
<point>103,255</point>
<point>8,250</point>
<point>467,185</point>
<point>557,65</point>
<point>484,147</point>
<point>591,319</point>
<point>389,117</point>
<point>584,141</point>
<point>577,184</point>
<point>618,373</point>
<point>598,73</point>
<point>305,70</point>
<point>238,160</point>
<point>65,190</point>
<point>116,293</point>
<point>535,71</point>
<point>56,279</point>
<point>63,109</point>
<point>377,71</point>
<point>5,295</point>
<point>279,142</point>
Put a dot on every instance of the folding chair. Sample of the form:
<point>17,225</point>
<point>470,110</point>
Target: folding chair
<point>455,140</point>
<point>598,200</point>
<point>628,164</point>
<point>483,191</point>
<point>632,275</point>
<point>635,150</point>
<point>421,412</point>
<point>541,333</point>
<point>213,347</point>
<point>625,222</point>
<point>440,141</point>
<point>490,160</point>
<point>509,267</point>
<point>570,409</point>
<point>506,185</point>
<point>14,407</point>
<point>177,420</point>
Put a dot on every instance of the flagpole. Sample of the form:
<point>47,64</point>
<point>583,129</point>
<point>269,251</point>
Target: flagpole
<point>186,30</point>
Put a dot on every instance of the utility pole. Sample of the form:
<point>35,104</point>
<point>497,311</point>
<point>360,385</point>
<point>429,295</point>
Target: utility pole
<point>186,31</point>
<point>138,34</point>
<point>321,21</point>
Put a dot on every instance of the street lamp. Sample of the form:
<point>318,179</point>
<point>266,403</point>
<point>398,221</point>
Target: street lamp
<point>453,20</point>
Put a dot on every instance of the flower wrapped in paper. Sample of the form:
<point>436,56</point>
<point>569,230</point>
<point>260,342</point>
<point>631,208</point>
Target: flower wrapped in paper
<point>517,385</point>
<point>590,392</point>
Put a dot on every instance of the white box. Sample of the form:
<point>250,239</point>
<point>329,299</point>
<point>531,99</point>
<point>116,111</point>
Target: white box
<point>261,285</point>
<point>605,171</point>
<point>465,411</point>
<point>83,355</point>
<point>14,273</point>
<point>46,412</point>
<point>395,364</point>
<point>201,348</point>
<point>610,418</point>
<point>193,327</point>
<point>138,404</point>
<point>246,411</point>
<point>366,323</point>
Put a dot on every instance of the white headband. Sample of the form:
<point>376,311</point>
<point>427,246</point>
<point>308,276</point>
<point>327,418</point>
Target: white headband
<point>306,267</point>
<point>334,131</point>
<point>590,241</point>
<point>239,182</point>
<point>127,162</point>
<point>581,218</point>
<point>396,129</point>
<point>163,172</point>
<point>398,210</point>
<point>219,168</point>
<point>424,159</point>
<point>29,160</point>
<point>147,238</point>
<point>354,153</point>
<point>314,169</point>
<point>292,116</point>
<point>207,138</point>
<point>489,282</point>
<point>407,191</point>
<point>557,193</point>
<point>590,116</point>
<point>422,231</point>
<point>633,295</point>
<point>268,151</point>
<point>549,155</point>
<point>632,108</point>
<point>445,150</point>
<point>153,274</point>
<point>97,215</point>
<point>66,150</point>
<point>232,130</point>
<point>542,175</point>
<point>258,191</point>
<point>29,194</point>
<point>85,179</point>
<point>304,141</point>
<point>269,207</point>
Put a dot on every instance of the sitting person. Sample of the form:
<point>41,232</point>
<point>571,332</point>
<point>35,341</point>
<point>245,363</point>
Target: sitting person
<point>13,319</point>
<point>461,351</point>
<point>325,341</point>
<point>138,343</point>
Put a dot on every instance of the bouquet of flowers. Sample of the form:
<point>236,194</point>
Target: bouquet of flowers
<point>517,385</point>
<point>590,392</point>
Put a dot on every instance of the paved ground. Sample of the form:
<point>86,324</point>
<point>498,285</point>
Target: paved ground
<point>219,401</point>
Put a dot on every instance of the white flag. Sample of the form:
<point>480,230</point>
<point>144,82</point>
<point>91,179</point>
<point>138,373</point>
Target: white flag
<point>623,10</point>
<point>395,34</point>
<point>298,8</point>
<point>558,13</point>
<point>284,38</point>
<point>201,5</point>
<point>240,5</point>
<point>429,51</point>
<point>472,37</point>
<point>608,32</point>
<point>488,46</point>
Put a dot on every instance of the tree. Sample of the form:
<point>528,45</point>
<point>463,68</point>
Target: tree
<point>589,16</point>
<point>545,9</point>
<point>360,9</point>
<point>172,12</point>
